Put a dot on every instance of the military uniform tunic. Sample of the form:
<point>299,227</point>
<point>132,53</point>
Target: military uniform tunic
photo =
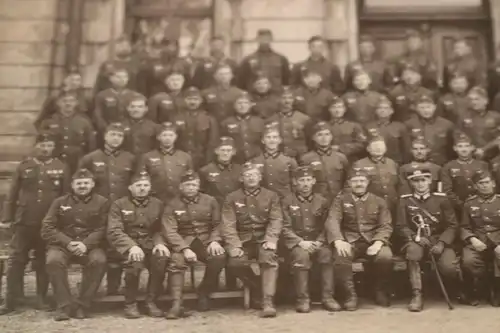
<point>293,128</point>
<point>267,62</point>
<point>164,106</point>
<point>404,99</point>
<point>111,107</point>
<point>396,138</point>
<point>140,136</point>
<point>276,169</point>
<point>330,73</point>
<point>349,137</point>
<point>361,105</point>
<point>314,103</point>
<point>219,180</point>
<point>219,101</point>
<point>247,134</point>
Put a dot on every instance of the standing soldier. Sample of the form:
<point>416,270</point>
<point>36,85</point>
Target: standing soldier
<point>481,125</point>
<point>222,176</point>
<point>221,97</point>
<point>454,105</point>
<point>276,168</point>
<point>264,60</point>
<point>426,223</point>
<point>395,134</point>
<point>123,58</point>
<point>359,225</point>
<point>416,55</point>
<point>164,105</point>
<point>191,224</point>
<point>464,60</point>
<point>329,165</point>
<point>166,165</point>
<point>456,175</point>
<point>480,232</point>
<point>198,130</point>
<point>38,180</point>
<point>245,128</point>
<point>404,96</point>
<point>361,100</point>
<point>134,231</point>
<point>312,98</point>
<point>376,69</point>
<point>293,125</point>
<point>74,132</point>
<point>331,79</point>
<point>267,101</point>
<point>112,168</point>
<point>437,131</point>
<point>251,225</point>
<point>304,215</point>
<point>74,229</point>
<point>204,76</point>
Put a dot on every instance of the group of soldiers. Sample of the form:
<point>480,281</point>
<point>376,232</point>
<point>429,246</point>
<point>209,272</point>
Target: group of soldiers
<point>179,160</point>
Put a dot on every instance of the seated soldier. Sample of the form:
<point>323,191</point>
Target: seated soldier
<point>74,229</point>
<point>304,214</point>
<point>134,231</point>
<point>191,224</point>
<point>426,222</point>
<point>359,225</point>
<point>480,230</point>
<point>251,224</point>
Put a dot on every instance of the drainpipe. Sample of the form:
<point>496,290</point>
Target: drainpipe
<point>74,37</point>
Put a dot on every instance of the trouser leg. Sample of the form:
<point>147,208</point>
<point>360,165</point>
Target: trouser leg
<point>57,269</point>
<point>92,275</point>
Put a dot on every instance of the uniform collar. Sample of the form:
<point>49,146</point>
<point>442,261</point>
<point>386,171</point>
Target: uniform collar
<point>431,120</point>
<point>251,193</point>
<point>165,151</point>
<point>287,114</point>
<point>111,152</point>
<point>361,198</point>
<point>337,120</point>
<point>319,59</point>
<point>143,202</point>
<point>469,161</point>
<point>383,122</point>
<point>378,161</point>
<point>223,167</point>
<point>39,162</point>
<point>303,199</point>
<point>243,117</point>
<point>324,151</point>
<point>271,155</point>
<point>78,199</point>
<point>192,200</point>
<point>487,199</point>
<point>422,197</point>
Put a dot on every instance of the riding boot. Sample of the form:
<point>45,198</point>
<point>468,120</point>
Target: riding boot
<point>42,285</point>
<point>208,285</point>
<point>131,291</point>
<point>301,281</point>
<point>113,279</point>
<point>269,276</point>
<point>155,286</point>
<point>416,303</point>
<point>176,283</point>
<point>328,288</point>
<point>345,277</point>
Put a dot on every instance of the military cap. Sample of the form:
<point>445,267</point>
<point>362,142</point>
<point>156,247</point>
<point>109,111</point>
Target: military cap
<point>192,92</point>
<point>366,39</point>
<point>45,137</point>
<point>461,138</point>
<point>321,126</point>
<point>166,126</point>
<point>243,95</point>
<point>315,38</point>
<point>226,141</point>
<point>83,173</point>
<point>142,175</point>
<point>67,92</point>
<point>480,175</point>
<point>115,127</point>
<point>223,65</point>
<point>189,176</point>
<point>174,71</point>
<point>261,75</point>
<point>418,171</point>
<point>303,171</point>
<point>335,100</point>
<point>307,71</point>
<point>409,66</point>
<point>114,68</point>
<point>458,74</point>
<point>358,172</point>
<point>424,98</point>
<point>413,33</point>
<point>249,166</point>
<point>358,71</point>
<point>420,140</point>
<point>478,91</point>
<point>135,96</point>
<point>383,99</point>
<point>271,127</point>
<point>287,90</point>
<point>375,138</point>
<point>73,69</point>
<point>264,32</point>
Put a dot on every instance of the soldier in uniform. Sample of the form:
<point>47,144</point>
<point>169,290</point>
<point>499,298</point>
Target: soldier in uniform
<point>74,229</point>
<point>221,96</point>
<point>404,96</point>
<point>394,133</point>
<point>164,105</point>
<point>480,231</point>
<point>304,214</point>
<point>134,231</point>
<point>204,75</point>
<point>349,137</point>
<point>191,224</point>
<point>377,69</point>
<point>74,131</point>
<point>112,168</point>
<point>464,60</point>
<point>37,181</point>
<point>266,101</point>
<point>426,222</point>
<point>494,75</point>
<point>198,130</point>
<point>416,55</point>
<point>456,175</point>
<point>359,225</point>
<point>166,165</point>
<point>329,165</point>
<point>293,125</point>
<point>481,125</point>
<point>245,128</point>
<point>437,131</point>
<point>222,176</point>
<point>251,225</point>
<point>361,100</point>
<point>312,98</point>
<point>264,60</point>
<point>454,105</point>
<point>330,73</point>
<point>276,167</point>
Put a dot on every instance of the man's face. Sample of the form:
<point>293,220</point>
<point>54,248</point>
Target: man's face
<point>45,148</point>
<point>119,79</point>
<point>419,152</point>
<point>461,48</point>
<point>242,106</point>
<point>317,48</point>
<point>485,186</point>
<point>304,185</point>
<point>337,110</point>
<point>262,85</point>
<point>175,82</point>
<point>217,46</point>
<point>287,101</point>
<point>272,140</point>
<point>137,109</point>
<point>384,110</point>
<point>264,40</point>
<point>421,184</point>
<point>67,104</point>
<point>426,110</point>
<point>359,185</point>
<point>114,139</point>
<point>377,149</point>
<point>190,188</point>
<point>167,138</point>
<point>140,189</point>
<point>73,81</point>
<point>323,138</point>
<point>464,149</point>
<point>82,186</point>
<point>251,178</point>
<point>123,48</point>
<point>367,48</point>
<point>411,77</point>
<point>459,84</point>
<point>224,75</point>
<point>414,43</point>
<point>312,80</point>
<point>225,153</point>
<point>362,81</point>
<point>477,102</point>
<point>193,102</point>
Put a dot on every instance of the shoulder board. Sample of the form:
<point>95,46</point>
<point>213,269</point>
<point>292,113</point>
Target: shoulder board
<point>472,197</point>
<point>406,195</point>
<point>439,194</point>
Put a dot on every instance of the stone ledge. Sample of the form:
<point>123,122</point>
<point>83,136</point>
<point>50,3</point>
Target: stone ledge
<point>18,76</point>
<point>17,123</point>
<point>13,99</point>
